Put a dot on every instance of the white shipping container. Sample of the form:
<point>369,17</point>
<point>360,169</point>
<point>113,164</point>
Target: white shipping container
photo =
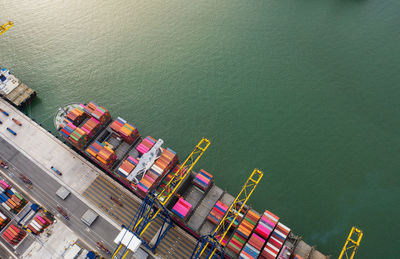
<point>157,169</point>
<point>27,218</point>
<point>271,246</point>
<point>5,206</point>
<point>276,240</point>
<point>36,228</point>
<point>36,225</point>
<point>123,171</point>
<point>271,252</point>
<point>3,216</point>
<point>284,227</point>
<point>280,233</point>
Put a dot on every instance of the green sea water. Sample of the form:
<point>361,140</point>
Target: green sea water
<point>307,91</point>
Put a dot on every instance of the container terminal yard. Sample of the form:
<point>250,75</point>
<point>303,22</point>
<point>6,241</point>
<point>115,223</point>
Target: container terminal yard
<point>38,154</point>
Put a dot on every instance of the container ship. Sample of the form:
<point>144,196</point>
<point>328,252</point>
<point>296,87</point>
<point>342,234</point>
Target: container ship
<point>13,90</point>
<point>143,164</point>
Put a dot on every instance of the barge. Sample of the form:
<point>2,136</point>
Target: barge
<point>13,90</point>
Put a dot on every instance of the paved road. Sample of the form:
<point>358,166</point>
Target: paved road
<point>175,244</point>
<point>44,190</point>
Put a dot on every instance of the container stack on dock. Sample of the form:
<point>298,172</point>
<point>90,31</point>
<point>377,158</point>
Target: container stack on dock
<point>243,232</point>
<point>13,235</point>
<point>10,200</point>
<point>217,213</point>
<point>203,180</point>
<point>182,209</point>
<point>128,132</point>
<point>104,154</point>
<point>147,143</point>
<point>38,224</point>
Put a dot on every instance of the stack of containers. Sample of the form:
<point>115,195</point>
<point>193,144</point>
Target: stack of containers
<point>253,247</point>
<point>275,242</point>
<point>217,213</point>
<point>9,200</point>
<point>169,176</point>
<point>67,129</point>
<point>75,116</point>
<point>240,216</point>
<point>266,224</point>
<point>46,218</point>
<point>102,152</point>
<point>128,132</point>
<point>203,180</point>
<point>182,208</point>
<point>127,166</point>
<point>163,165</point>
<point>147,143</point>
<point>38,224</point>
<point>13,235</point>
<point>91,127</point>
<point>244,230</point>
<point>78,138</point>
<point>3,220</point>
<point>98,112</point>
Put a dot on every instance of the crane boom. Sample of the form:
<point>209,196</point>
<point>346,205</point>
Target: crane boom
<point>152,207</point>
<point>6,26</point>
<point>352,243</point>
<point>164,196</point>
<point>174,183</point>
<point>230,216</point>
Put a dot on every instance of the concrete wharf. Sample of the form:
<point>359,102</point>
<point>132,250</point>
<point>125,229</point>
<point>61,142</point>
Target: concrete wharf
<point>94,187</point>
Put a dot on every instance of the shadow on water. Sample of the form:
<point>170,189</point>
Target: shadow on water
<point>28,109</point>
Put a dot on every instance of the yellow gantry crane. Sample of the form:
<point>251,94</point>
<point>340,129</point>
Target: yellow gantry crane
<point>5,27</point>
<point>216,237</point>
<point>174,183</point>
<point>153,206</point>
<point>352,243</point>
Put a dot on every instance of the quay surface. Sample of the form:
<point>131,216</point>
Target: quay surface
<point>34,150</point>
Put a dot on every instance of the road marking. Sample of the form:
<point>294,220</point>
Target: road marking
<point>49,200</point>
<point>8,250</point>
<point>126,211</point>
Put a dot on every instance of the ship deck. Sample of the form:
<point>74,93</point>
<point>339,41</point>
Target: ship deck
<point>21,95</point>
